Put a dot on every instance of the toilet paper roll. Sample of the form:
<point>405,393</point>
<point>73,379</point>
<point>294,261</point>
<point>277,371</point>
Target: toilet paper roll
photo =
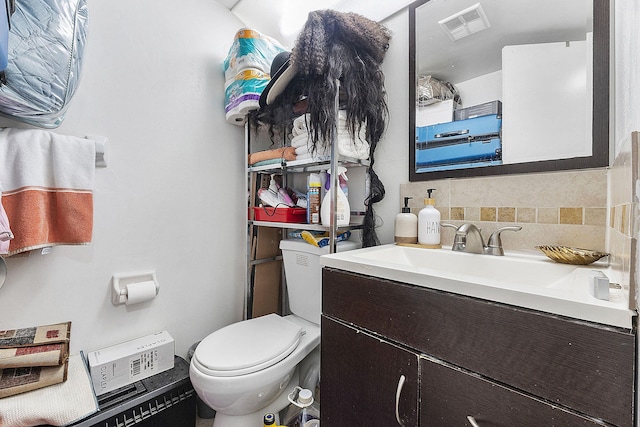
<point>140,292</point>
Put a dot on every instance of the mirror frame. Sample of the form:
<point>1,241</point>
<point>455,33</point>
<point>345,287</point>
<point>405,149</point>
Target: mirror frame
<point>600,115</point>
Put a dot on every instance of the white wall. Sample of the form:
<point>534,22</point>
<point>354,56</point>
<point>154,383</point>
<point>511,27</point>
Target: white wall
<point>626,72</point>
<point>172,198</point>
<point>392,152</point>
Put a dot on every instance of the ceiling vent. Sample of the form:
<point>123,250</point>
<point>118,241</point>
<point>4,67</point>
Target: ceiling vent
<point>466,22</point>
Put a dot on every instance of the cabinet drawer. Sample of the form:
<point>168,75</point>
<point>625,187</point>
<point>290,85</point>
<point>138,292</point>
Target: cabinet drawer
<point>448,396</point>
<point>580,365</point>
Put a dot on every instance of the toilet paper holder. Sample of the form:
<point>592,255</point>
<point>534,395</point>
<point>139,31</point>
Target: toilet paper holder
<point>120,281</point>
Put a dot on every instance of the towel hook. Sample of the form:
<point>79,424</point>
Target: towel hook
<point>101,149</point>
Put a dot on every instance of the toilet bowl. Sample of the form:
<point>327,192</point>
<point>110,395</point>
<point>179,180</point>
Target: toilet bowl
<point>241,369</point>
<point>247,369</point>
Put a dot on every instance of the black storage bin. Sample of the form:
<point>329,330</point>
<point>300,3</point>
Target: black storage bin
<point>163,400</point>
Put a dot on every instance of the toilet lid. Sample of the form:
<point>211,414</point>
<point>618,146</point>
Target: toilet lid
<point>248,346</point>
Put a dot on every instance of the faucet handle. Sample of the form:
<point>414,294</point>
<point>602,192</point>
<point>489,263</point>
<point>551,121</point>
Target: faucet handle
<point>446,224</point>
<point>494,247</point>
<point>458,241</point>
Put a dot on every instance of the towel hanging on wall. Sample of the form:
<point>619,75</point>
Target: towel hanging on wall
<point>47,188</point>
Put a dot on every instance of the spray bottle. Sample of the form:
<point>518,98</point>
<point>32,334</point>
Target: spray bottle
<point>342,210</point>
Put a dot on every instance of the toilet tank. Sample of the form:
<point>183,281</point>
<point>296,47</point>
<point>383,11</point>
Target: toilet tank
<point>304,275</point>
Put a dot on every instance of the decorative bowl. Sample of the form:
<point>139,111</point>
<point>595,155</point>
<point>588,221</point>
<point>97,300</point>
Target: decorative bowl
<point>568,255</point>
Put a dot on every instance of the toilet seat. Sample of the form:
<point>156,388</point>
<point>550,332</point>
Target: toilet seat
<point>248,346</point>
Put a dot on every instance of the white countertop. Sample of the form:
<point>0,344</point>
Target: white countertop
<point>520,279</point>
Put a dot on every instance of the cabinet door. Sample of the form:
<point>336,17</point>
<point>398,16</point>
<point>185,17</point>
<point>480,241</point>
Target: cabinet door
<point>580,365</point>
<point>449,396</point>
<point>361,379</point>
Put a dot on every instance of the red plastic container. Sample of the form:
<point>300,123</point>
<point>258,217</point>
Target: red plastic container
<point>292,215</point>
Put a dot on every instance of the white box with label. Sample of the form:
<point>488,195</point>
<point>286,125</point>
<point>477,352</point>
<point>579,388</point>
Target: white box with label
<point>121,364</point>
<point>438,112</point>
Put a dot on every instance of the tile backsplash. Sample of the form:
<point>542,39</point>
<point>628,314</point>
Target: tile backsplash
<point>557,208</point>
<point>592,209</point>
<point>623,214</point>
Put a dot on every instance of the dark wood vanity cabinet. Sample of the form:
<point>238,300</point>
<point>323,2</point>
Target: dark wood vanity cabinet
<point>463,357</point>
<point>372,378</point>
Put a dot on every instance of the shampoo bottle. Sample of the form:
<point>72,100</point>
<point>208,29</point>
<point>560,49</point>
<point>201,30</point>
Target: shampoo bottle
<point>342,210</point>
<point>429,222</point>
<point>406,225</point>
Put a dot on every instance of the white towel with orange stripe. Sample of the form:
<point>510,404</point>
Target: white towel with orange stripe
<point>47,193</point>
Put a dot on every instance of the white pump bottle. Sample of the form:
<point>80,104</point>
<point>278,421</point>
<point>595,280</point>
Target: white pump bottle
<point>429,222</point>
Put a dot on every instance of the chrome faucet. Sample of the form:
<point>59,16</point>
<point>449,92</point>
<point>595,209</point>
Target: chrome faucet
<point>469,239</point>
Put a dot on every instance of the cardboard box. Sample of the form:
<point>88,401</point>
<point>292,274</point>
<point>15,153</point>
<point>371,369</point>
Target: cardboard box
<point>266,288</point>
<point>122,364</point>
<point>486,109</point>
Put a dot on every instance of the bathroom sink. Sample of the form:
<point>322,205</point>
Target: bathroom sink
<point>523,279</point>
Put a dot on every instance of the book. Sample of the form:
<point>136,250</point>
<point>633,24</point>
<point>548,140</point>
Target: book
<point>20,380</point>
<point>36,335</point>
<point>38,355</point>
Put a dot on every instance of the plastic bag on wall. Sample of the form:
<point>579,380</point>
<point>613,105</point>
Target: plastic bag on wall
<point>431,90</point>
<point>46,46</point>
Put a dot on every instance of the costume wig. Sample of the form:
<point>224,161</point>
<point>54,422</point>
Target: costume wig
<point>338,54</point>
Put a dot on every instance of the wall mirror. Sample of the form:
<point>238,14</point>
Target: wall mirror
<point>532,85</point>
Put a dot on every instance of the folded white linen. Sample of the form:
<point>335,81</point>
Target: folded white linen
<point>300,125</point>
<point>300,140</point>
<point>57,405</point>
<point>315,157</point>
<point>308,148</point>
<point>302,150</point>
<point>357,148</point>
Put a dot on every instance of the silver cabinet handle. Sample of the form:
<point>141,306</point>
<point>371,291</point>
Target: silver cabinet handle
<point>472,421</point>
<point>398,393</point>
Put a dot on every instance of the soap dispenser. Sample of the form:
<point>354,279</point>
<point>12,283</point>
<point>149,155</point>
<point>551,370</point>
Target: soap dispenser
<point>406,225</point>
<point>429,222</point>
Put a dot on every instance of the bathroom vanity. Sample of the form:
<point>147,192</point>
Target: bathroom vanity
<point>397,353</point>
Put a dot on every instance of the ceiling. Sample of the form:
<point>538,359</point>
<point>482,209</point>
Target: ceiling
<point>283,19</point>
<point>511,23</point>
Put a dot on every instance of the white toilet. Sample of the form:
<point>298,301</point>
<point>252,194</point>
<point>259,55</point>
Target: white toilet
<point>247,369</point>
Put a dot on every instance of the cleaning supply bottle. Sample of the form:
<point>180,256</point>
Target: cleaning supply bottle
<point>303,411</point>
<point>429,222</point>
<point>323,179</point>
<point>313,199</point>
<point>342,210</point>
<point>406,225</point>
<point>343,183</point>
<point>269,420</point>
